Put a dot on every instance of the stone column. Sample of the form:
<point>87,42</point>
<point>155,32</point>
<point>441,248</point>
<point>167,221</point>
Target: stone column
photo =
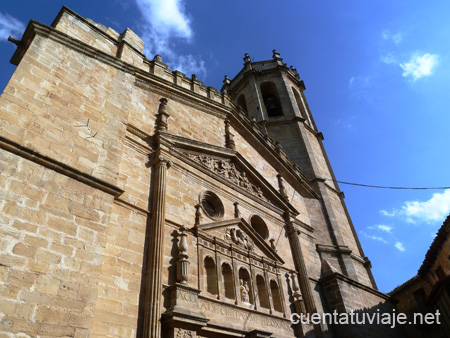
<point>305,285</point>
<point>152,324</point>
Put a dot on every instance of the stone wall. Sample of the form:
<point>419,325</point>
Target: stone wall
<point>81,140</point>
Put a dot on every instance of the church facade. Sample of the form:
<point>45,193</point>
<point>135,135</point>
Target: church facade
<point>138,202</point>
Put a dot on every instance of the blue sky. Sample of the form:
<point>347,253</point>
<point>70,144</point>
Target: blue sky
<point>377,75</point>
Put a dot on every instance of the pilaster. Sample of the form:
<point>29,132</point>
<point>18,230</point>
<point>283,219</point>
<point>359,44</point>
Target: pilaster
<point>152,324</point>
<point>305,285</point>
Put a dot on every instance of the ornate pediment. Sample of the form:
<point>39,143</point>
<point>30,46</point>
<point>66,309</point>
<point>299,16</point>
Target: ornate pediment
<point>228,170</point>
<point>228,167</point>
<point>241,235</point>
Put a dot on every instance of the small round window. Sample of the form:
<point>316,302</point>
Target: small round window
<point>260,226</point>
<point>211,204</point>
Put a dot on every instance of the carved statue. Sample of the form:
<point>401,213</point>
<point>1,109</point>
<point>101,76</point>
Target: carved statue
<point>244,292</point>
<point>243,181</point>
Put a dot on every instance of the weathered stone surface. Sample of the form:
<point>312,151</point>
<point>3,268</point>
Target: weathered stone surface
<point>90,213</point>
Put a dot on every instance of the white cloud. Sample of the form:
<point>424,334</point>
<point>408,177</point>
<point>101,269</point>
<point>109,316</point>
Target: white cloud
<point>385,228</point>
<point>388,35</point>
<point>359,87</point>
<point>382,227</point>
<point>375,238</point>
<point>419,65</point>
<point>432,211</point>
<point>359,82</point>
<point>9,25</point>
<point>166,24</point>
<point>399,246</point>
<point>389,58</point>
<point>393,213</point>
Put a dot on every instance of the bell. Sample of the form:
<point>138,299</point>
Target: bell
<point>273,109</point>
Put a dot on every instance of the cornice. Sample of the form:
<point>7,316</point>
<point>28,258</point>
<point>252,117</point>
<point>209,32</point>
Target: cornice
<point>59,167</point>
<point>339,276</point>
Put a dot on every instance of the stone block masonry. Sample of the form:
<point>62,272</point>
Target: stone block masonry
<point>108,159</point>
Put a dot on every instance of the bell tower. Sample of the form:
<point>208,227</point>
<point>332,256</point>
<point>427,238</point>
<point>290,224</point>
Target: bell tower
<point>271,94</point>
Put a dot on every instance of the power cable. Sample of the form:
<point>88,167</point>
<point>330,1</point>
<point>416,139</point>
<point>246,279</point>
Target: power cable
<point>385,187</point>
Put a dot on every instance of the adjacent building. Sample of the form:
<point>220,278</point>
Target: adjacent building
<point>425,298</point>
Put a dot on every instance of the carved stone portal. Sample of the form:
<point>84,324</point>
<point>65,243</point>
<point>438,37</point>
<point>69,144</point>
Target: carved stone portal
<point>237,236</point>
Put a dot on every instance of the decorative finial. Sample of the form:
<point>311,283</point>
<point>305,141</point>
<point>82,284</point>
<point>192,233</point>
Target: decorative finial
<point>237,212</point>
<point>283,191</point>
<point>298,299</point>
<point>162,116</point>
<point>229,137</point>
<point>276,55</point>
<point>183,263</point>
<point>198,214</point>
<point>194,77</point>
<point>247,59</point>
<point>278,146</point>
<point>226,81</point>
<point>272,244</point>
<point>157,58</point>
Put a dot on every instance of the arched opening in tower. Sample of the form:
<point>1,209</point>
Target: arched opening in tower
<point>271,99</point>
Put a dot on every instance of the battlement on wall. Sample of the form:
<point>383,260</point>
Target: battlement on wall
<point>129,48</point>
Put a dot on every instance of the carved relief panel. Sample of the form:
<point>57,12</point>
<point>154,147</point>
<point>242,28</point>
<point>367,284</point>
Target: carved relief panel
<point>238,237</point>
<point>228,170</point>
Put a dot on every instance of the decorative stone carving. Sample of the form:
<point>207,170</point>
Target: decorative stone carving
<point>283,191</point>
<point>276,55</point>
<point>272,244</point>
<point>183,263</point>
<point>184,334</point>
<point>162,117</point>
<point>198,214</point>
<point>229,137</point>
<point>227,169</point>
<point>247,58</point>
<point>298,299</point>
<point>237,213</point>
<point>244,292</point>
<point>237,236</point>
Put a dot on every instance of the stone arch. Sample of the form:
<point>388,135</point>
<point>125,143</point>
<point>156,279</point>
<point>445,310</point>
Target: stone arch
<point>227,278</point>
<point>210,275</point>
<point>242,103</point>
<point>262,292</point>
<point>244,283</point>
<point>276,297</point>
<point>300,105</point>
<point>271,99</point>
